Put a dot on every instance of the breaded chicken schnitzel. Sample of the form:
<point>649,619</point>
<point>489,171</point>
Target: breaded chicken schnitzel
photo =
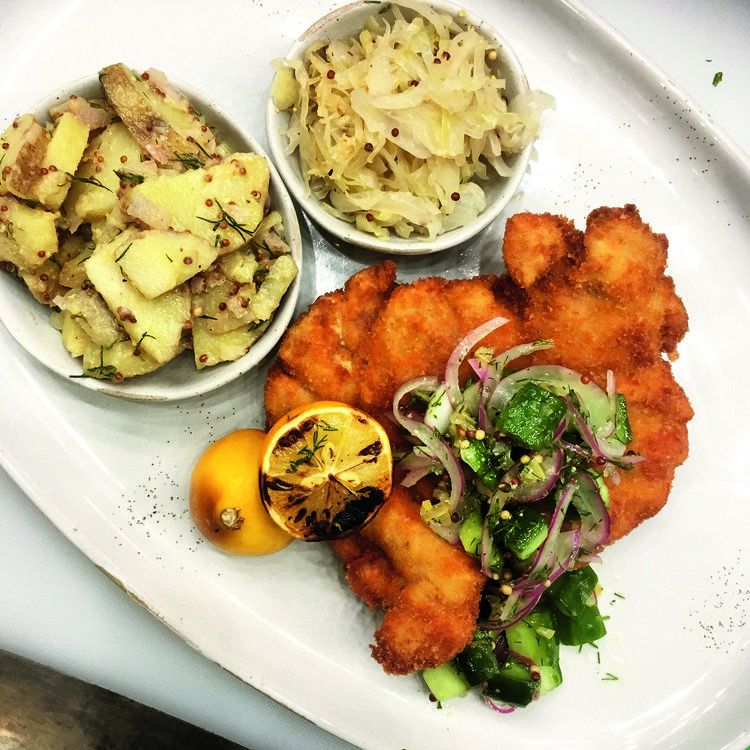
<point>603,297</point>
<point>425,586</point>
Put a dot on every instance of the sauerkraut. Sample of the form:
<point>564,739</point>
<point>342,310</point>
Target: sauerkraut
<point>398,128</point>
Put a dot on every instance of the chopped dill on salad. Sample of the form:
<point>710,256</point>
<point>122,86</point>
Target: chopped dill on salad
<point>522,456</point>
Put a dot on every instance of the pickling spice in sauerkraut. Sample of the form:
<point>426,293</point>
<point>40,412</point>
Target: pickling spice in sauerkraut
<point>398,127</point>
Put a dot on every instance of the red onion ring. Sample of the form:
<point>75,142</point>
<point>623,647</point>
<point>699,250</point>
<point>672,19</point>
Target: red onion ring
<point>458,355</point>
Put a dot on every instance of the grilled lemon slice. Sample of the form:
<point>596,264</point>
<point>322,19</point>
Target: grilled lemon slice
<point>326,470</point>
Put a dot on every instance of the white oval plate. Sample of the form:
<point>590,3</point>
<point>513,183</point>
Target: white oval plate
<point>289,625</point>
<point>28,320</point>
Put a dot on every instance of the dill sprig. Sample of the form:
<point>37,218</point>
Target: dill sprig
<point>88,181</point>
<point>146,335</point>
<point>191,161</point>
<point>101,370</point>
<point>120,256</point>
<point>231,222</point>
<point>306,454</point>
<point>131,177</point>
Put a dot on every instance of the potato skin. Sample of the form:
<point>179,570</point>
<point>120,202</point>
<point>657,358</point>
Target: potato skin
<point>153,126</point>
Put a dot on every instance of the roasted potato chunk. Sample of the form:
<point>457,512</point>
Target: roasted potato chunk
<point>116,214</point>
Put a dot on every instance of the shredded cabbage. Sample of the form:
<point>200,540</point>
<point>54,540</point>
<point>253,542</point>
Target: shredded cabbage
<point>395,127</point>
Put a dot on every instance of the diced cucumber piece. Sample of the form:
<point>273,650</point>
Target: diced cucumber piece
<point>478,458</point>
<point>446,681</point>
<point>549,678</point>
<point>524,531</point>
<point>470,535</point>
<point>471,532</point>
<point>475,455</point>
<point>586,627</point>
<point>514,685</point>
<point>570,592</point>
<point>477,661</point>
<point>532,416</point>
<point>535,638</point>
<point>623,433</point>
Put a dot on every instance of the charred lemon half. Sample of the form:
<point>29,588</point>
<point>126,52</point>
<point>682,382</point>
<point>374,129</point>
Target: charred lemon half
<point>326,470</point>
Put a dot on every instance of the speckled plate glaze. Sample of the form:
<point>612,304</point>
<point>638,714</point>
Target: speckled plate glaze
<point>674,669</point>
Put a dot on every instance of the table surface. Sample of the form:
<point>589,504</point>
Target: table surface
<point>59,609</point>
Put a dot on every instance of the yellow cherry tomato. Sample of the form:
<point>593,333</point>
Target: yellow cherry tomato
<point>225,501</point>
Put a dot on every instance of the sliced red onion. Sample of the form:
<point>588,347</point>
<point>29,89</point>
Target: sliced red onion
<point>442,451</point>
<point>482,369</point>
<point>573,448</point>
<point>418,463</point>
<point>595,520</point>
<point>594,557</point>
<point>432,440</point>
<point>450,533</point>
<point>487,543</point>
<point>463,347</point>
<point>414,475</point>
<point>501,708</point>
<point>483,372</point>
<point>548,553</point>
<point>630,460</point>
<point>583,428</point>
<point>554,557</point>
<point>427,383</point>
<point>560,430</point>
<point>532,491</point>
<point>520,350</point>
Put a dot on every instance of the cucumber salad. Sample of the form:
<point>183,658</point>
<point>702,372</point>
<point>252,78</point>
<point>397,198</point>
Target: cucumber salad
<point>521,456</point>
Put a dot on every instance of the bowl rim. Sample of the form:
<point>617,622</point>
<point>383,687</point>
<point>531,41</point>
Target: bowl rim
<point>338,229</point>
<point>28,321</point>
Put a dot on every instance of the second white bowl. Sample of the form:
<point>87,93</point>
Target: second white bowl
<point>349,21</point>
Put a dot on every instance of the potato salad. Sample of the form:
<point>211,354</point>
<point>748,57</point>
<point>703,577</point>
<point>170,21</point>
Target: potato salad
<point>144,234</point>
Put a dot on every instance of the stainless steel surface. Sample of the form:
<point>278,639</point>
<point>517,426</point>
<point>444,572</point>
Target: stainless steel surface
<point>42,709</point>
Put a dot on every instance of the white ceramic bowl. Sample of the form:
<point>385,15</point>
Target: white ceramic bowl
<point>348,21</point>
<point>28,321</point>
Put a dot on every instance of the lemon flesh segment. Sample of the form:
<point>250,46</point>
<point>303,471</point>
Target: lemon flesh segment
<point>327,473</point>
